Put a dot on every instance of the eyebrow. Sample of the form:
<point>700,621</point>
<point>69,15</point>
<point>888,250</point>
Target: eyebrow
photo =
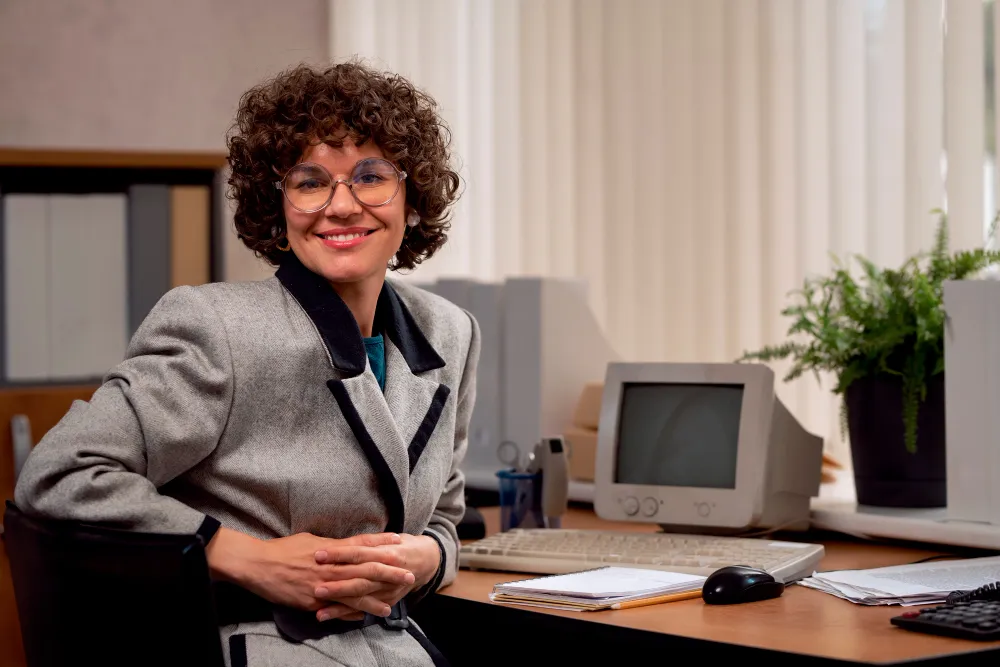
<point>318,167</point>
<point>371,159</point>
<point>310,165</point>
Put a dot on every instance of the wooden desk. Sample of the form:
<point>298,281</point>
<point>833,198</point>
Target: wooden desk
<point>803,626</point>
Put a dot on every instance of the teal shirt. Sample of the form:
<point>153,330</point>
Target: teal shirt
<point>376,357</point>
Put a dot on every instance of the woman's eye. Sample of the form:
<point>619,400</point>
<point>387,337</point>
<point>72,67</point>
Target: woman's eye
<point>309,184</point>
<point>368,179</point>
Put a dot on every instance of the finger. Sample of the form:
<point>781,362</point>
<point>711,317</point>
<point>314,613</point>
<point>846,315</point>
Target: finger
<point>352,588</point>
<point>354,555</point>
<point>369,604</point>
<point>364,540</point>
<point>338,610</point>
<point>391,596</point>
<point>372,571</point>
<point>373,539</point>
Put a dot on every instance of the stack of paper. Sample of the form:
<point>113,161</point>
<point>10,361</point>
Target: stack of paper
<point>603,588</point>
<point>923,583</point>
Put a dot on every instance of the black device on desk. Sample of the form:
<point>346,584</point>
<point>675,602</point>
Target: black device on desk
<point>735,584</point>
<point>965,614</point>
<point>472,526</point>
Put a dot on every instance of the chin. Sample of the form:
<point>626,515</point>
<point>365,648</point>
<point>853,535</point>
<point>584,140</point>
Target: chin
<point>350,272</point>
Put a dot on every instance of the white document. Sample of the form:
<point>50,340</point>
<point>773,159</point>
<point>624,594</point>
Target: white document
<point>923,583</point>
<point>606,582</point>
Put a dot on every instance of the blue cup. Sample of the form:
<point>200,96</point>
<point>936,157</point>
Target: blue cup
<point>520,500</point>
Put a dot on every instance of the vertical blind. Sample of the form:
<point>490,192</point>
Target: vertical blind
<point>694,160</point>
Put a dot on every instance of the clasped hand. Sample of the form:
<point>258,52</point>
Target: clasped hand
<point>343,578</point>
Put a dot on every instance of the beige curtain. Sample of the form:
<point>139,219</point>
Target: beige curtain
<point>694,160</point>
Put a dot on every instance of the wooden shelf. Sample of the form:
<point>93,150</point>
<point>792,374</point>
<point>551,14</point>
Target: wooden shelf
<point>31,157</point>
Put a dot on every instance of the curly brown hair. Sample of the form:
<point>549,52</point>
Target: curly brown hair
<point>279,118</point>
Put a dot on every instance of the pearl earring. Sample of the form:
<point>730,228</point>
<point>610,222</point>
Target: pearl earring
<point>413,219</point>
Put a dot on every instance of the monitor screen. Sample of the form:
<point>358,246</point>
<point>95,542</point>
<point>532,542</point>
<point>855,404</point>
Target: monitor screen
<point>679,435</point>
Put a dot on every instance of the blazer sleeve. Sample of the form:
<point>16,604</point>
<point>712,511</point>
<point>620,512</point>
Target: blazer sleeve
<point>451,505</point>
<point>156,415</point>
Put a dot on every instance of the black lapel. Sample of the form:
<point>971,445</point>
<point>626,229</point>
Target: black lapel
<point>387,486</point>
<point>430,421</point>
<point>339,330</point>
<point>395,320</point>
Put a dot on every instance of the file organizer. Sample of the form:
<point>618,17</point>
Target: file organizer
<point>91,241</point>
<point>540,345</point>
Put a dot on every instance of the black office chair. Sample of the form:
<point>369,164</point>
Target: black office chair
<point>94,595</point>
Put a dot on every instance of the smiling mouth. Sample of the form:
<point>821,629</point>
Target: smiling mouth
<point>345,237</point>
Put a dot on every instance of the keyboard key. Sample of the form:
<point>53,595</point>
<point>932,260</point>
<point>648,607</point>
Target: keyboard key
<point>971,621</point>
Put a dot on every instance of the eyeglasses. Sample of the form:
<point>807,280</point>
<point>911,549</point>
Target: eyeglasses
<point>309,187</point>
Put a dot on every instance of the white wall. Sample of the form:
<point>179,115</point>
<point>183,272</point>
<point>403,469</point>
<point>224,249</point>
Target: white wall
<point>145,74</point>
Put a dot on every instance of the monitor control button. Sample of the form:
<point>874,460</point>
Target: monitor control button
<point>650,506</point>
<point>631,505</point>
<point>704,509</point>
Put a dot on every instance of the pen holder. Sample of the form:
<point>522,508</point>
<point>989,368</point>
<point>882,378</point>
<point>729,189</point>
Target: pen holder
<point>520,500</point>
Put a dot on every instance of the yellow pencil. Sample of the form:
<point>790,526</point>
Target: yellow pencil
<point>672,597</point>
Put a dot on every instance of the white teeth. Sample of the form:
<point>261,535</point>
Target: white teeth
<point>341,237</point>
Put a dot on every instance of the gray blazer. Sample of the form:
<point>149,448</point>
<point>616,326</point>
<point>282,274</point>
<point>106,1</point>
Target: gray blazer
<point>253,405</point>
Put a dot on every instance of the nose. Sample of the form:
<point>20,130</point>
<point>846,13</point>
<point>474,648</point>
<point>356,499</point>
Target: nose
<point>343,204</point>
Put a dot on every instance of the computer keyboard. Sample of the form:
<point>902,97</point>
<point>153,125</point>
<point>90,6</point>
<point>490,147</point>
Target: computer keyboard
<point>555,551</point>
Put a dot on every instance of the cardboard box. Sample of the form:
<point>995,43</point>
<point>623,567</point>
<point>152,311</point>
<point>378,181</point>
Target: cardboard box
<point>588,406</point>
<point>582,446</point>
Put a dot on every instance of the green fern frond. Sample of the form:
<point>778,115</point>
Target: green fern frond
<point>882,322</point>
<point>939,251</point>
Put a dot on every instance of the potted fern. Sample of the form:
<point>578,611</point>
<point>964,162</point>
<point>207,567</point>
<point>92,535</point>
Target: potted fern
<point>881,335</point>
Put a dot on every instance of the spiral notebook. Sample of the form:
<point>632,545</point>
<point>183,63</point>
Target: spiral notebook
<point>601,588</point>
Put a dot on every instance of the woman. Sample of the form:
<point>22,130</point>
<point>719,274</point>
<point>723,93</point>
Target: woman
<point>310,426</point>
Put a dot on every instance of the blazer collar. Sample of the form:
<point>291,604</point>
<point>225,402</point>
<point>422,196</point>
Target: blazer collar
<point>339,330</point>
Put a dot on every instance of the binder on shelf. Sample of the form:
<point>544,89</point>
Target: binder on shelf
<point>26,287</point>
<point>87,278</point>
<point>149,270</point>
<point>190,235</point>
<point>82,271</point>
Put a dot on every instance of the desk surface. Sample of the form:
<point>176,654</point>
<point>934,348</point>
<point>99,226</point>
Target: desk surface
<point>802,621</point>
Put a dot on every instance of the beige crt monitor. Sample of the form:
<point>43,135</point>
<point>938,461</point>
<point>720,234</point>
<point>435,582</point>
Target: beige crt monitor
<point>705,448</point>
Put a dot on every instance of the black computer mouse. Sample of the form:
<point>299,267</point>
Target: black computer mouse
<point>738,583</point>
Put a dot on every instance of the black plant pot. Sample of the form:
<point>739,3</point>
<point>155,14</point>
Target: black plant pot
<point>885,473</point>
